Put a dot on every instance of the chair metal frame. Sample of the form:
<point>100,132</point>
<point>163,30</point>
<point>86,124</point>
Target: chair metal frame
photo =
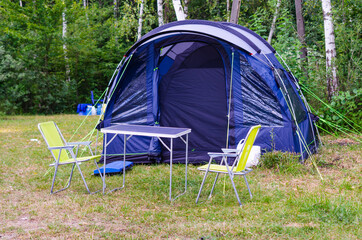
<point>241,155</point>
<point>59,160</point>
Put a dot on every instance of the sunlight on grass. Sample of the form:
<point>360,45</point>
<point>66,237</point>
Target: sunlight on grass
<point>290,201</point>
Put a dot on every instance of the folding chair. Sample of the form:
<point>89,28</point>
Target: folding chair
<point>237,168</point>
<point>60,150</point>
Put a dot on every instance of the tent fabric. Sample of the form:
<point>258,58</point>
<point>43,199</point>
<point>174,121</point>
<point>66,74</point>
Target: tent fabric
<point>218,79</point>
<point>208,28</point>
<point>255,38</point>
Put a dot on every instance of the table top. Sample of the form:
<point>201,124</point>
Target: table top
<point>149,131</point>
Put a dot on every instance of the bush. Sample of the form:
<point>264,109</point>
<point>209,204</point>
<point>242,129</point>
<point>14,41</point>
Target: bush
<point>345,110</point>
<point>284,162</point>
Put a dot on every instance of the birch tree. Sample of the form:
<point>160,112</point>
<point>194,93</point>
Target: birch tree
<point>235,11</point>
<point>160,12</point>
<point>21,3</point>
<point>85,5</point>
<point>332,80</point>
<point>116,16</point>
<point>65,49</point>
<point>272,28</point>
<point>140,20</point>
<point>180,14</point>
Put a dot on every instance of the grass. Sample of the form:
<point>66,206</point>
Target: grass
<point>287,204</point>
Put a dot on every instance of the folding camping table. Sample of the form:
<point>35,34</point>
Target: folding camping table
<point>148,131</point>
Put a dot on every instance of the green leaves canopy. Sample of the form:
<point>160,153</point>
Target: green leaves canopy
<point>43,72</point>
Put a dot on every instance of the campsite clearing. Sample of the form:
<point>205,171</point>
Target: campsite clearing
<point>284,206</point>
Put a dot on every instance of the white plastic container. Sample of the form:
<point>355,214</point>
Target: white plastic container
<point>254,157</point>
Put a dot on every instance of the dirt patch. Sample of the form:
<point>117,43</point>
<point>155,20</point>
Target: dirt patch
<point>296,225</point>
<point>26,223</point>
<point>343,141</point>
<point>8,130</point>
<point>309,184</point>
<point>342,158</point>
<point>299,225</point>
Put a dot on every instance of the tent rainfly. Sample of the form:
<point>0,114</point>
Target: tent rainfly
<point>218,79</point>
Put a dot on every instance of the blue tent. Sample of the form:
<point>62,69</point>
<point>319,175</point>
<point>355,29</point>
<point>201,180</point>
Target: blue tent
<point>218,79</point>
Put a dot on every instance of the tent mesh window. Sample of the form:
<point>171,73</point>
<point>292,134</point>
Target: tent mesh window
<point>260,105</point>
<point>299,111</point>
<point>131,104</point>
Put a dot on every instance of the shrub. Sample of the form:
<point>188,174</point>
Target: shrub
<point>345,110</point>
<point>284,162</point>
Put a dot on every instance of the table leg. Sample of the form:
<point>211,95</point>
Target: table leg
<point>171,153</point>
<point>104,162</point>
<point>187,158</point>
<point>124,159</point>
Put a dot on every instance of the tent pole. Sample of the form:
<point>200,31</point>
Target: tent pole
<point>230,92</point>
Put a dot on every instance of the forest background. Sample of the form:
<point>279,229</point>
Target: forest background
<point>54,52</point>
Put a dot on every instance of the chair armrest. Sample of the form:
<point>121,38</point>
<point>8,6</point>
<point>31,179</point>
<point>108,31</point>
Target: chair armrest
<point>229,150</point>
<point>61,147</point>
<point>79,143</point>
<point>215,154</point>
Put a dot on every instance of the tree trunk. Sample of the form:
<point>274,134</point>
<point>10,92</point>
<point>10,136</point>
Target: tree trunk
<point>272,28</point>
<point>21,3</point>
<point>180,15</point>
<point>301,36</point>
<point>85,5</point>
<point>186,9</point>
<point>115,10</point>
<point>228,10</point>
<point>160,12</point>
<point>116,16</point>
<point>140,20</point>
<point>235,11</point>
<point>332,80</point>
<point>65,49</point>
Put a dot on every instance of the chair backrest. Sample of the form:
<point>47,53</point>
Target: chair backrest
<point>53,138</point>
<point>248,144</point>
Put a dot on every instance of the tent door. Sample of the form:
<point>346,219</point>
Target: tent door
<point>192,94</point>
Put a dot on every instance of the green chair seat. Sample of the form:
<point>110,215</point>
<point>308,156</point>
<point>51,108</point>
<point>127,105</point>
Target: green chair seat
<point>80,159</point>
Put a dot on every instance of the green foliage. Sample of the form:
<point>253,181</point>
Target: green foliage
<point>348,28</point>
<point>214,9</point>
<point>345,110</point>
<point>37,60</point>
<point>283,162</point>
<point>39,57</point>
<point>12,85</point>
<point>257,23</point>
